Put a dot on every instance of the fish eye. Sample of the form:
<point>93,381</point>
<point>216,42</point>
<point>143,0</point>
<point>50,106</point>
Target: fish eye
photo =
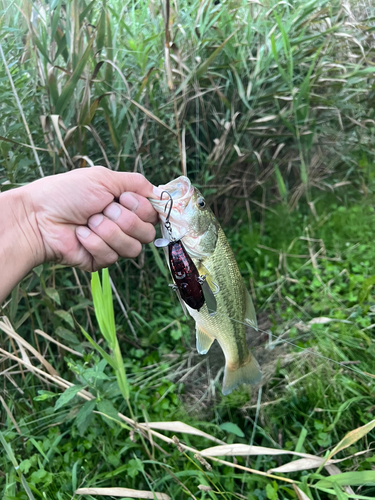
<point>200,202</point>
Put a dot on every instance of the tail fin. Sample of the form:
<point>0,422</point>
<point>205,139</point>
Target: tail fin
<point>247,374</point>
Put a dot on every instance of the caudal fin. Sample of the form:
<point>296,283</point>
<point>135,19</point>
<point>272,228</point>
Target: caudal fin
<point>247,374</point>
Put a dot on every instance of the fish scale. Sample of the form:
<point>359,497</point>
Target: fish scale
<point>228,320</point>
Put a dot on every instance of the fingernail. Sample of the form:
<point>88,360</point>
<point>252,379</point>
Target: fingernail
<point>112,211</point>
<point>129,201</point>
<point>157,191</point>
<point>83,231</point>
<point>95,220</point>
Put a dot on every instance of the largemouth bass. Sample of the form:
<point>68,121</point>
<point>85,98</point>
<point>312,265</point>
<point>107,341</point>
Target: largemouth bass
<point>193,222</point>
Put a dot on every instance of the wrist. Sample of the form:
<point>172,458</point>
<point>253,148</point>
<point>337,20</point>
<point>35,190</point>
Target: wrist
<point>21,247</point>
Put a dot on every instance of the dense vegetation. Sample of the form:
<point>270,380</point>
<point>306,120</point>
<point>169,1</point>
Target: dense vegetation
<point>269,108</point>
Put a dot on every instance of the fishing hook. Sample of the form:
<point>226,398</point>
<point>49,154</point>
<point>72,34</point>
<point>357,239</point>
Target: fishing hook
<point>169,201</point>
<point>167,224</point>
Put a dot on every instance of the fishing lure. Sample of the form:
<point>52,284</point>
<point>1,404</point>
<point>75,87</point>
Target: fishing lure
<point>189,285</point>
<point>185,275</point>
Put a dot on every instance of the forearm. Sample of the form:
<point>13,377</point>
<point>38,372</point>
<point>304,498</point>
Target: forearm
<point>19,241</point>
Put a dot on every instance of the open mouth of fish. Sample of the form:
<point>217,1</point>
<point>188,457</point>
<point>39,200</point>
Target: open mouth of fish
<point>180,190</point>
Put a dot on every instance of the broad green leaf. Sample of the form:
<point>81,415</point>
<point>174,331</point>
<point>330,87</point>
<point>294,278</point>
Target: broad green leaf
<point>61,45</point>
<point>67,335</point>
<point>85,415</point>
<point>271,492</point>
<point>41,476</point>
<point>25,465</point>
<point>68,395</point>
<point>43,395</point>
<point>106,408</point>
<point>66,316</point>
<point>53,294</point>
<point>232,428</point>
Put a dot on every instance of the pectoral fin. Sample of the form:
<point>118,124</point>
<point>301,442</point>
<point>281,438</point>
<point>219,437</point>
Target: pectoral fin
<point>250,316</point>
<point>204,341</point>
<point>209,289</point>
<point>209,298</point>
<point>203,271</point>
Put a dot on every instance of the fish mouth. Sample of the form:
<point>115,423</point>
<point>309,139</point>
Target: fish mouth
<point>180,190</point>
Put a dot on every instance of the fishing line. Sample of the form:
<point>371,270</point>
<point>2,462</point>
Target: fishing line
<point>269,333</point>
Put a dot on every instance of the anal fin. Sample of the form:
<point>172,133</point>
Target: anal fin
<point>204,341</point>
<point>250,316</point>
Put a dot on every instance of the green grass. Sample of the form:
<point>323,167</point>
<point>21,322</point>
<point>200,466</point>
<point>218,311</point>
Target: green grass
<point>318,383</point>
<point>273,106</point>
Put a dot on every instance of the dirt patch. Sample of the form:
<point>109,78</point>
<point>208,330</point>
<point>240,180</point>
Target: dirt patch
<point>203,375</point>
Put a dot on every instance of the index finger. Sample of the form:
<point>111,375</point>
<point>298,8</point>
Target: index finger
<point>120,182</point>
<point>140,206</point>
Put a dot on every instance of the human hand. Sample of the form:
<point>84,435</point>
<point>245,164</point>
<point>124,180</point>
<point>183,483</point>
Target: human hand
<point>78,222</point>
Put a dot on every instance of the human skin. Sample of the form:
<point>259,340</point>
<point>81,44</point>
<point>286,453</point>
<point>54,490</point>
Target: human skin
<point>85,218</point>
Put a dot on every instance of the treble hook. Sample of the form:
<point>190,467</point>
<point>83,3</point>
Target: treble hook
<point>170,207</point>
